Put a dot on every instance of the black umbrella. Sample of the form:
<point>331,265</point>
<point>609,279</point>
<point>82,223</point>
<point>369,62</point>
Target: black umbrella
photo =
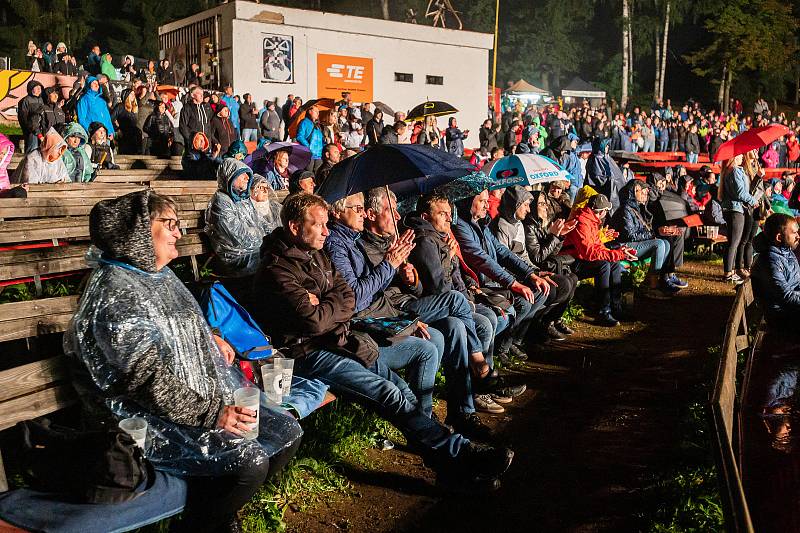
<point>406,169</point>
<point>674,208</point>
<point>435,108</point>
<point>622,155</point>
<point>385,109</point>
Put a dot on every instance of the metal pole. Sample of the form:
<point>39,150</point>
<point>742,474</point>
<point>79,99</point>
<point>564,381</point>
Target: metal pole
<point>494,60</point>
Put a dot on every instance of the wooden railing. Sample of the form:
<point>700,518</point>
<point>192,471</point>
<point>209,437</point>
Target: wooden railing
<point>725,411</point>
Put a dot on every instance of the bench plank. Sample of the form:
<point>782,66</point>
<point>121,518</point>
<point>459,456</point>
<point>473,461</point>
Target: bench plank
<point>32,377</point>
<point>35,405</point>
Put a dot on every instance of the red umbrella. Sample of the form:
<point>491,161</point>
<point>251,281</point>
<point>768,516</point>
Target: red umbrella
<point>750,140</point>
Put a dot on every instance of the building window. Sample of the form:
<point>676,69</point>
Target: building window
<point>404,76</point>
<point>434,80</point>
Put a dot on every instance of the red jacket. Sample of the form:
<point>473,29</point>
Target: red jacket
<point>584,241</point>
<point>794,149</point>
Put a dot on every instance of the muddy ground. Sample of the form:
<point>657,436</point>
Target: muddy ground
<point>600,418</point>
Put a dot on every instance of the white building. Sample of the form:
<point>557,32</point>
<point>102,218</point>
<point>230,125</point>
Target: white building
<point>270,51</point>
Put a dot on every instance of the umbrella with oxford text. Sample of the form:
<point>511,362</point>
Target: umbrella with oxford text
<point>751,139</point>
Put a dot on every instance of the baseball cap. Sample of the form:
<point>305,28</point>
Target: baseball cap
<point>599,202</point>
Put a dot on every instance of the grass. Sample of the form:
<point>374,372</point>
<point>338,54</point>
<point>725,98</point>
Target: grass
<point>10,129</point>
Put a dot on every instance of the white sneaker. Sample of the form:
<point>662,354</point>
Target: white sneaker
<point>485,404</point>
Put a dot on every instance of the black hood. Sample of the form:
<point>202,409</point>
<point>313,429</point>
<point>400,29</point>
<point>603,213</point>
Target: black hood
<point>512,198</point>
<point>561,144</point>
<point>419,225</point>
<point>31,85</point>
<point>121,229</point>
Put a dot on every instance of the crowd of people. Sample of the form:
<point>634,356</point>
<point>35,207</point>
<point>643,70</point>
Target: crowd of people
<point>478,279</point>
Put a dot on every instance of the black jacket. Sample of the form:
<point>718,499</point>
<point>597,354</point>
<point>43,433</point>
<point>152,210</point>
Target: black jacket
<point>438,271</point>
<point>247,120</point>
<point>53,117</point>
<point>158,126</point>
<point>285,278</point>
<point>221,132</point>
<point>194,118</point>
<point>270,124</point>
<point>29,111</point>
<point>692,143</point>
<point>66,68</point>
<point>489,139</point>
<point>373,129</point>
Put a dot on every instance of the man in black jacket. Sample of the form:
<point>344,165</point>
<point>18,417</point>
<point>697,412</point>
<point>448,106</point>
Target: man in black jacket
<point>248,119</point>
<point>195,115</point>
<point>287,105</point>
<point>29,114</point>
<point>306,306</point>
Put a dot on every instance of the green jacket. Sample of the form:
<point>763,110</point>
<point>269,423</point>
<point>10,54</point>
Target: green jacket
<point>108,69</point>
<point>71,156</point>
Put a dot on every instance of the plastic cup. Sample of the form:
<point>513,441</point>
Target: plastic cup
<point>136,427</point>
<point>287,369</point>
<point>250,398</point>
<point>273,386</point>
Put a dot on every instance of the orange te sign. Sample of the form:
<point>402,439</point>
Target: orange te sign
<point>338,74</point>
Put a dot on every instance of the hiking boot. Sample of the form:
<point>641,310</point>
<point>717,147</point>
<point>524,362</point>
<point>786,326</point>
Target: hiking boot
<point>471,426</point>
<point>563,328</point>
<point>518,353</point>
<point>605,318</point>
<point>485,404</point>
<point>554,333</point>
<point>678,282</point>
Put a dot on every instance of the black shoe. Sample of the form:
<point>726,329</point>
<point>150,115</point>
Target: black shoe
<point>554,333</point>
<point>518,353</point>
<point>563,328</point>
<point>605,318</point>
<point>481,462</point>
<point>486,384</point>
<point>511,391</point>
<point>471,426</point>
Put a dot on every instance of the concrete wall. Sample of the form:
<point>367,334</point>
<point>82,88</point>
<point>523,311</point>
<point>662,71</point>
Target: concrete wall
<point>460,57</point>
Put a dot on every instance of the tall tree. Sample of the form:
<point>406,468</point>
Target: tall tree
<point>625,53</point>
<point>663,63</point>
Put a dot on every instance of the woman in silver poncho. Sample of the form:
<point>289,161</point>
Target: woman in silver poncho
<point>142,347</point>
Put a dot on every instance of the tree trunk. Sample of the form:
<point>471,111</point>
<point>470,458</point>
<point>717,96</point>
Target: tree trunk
<point>385,9</point>
<point>796,87</point>
<point>657,83</point>
<point>625,58</point>
<point>722,80</point>
<point>664,54</point>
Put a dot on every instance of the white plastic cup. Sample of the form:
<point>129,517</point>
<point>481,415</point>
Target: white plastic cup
<point>136,427</point>
<point>249,398</point>
<point>272,378</point>
<point>287,370</point>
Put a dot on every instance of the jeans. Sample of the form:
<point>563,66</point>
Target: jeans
<point>499,323</point>
<point>559,297</point>
<point>649,145</point>
<point>420,359</point>
<point>573,192</point>
<point>673,145</point>
<point>677,244</point>
<point>379,389</point>
<point>662,145</point>
<point>451,344</point>
<point>521,321</point>
<point>691,157</point>
<point>658,249</point>
<point>607,280</point>
<point>249,134</point>
<point>447,304</point>
<point>739,253</point>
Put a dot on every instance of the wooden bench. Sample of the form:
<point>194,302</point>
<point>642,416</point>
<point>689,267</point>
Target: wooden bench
<point>725,410</point>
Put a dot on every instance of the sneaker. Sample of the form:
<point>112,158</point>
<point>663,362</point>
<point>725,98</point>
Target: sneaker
<point>480,462</point>
<point>733,278</point>
<point>485,404</point>
<point>518,353</point>
<point>605,318</point>
<point>500,398</point>
<point>554,333</point>
<point>471,426</point>
<point>678,282</point>
<point>563,328</point>
<point>505,389</point>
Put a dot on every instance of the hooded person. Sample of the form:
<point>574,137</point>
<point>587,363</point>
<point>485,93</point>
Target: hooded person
<point>604,175</point>
<point>233,225</point>
<point>29,113</point>
<point>99,147</point>
<point>6,153</point>
<point>200,162</point>
<point>221,128</point>
<point>107,68</point>
<point>52,113</point>
<point>93,108</point>
<point>266,203</point>
<point>140,346</point>
<point>126,115</point>
<point>76,157</point>
<point>45,164</point>
<point>237,150</point>
<point>563,150</point>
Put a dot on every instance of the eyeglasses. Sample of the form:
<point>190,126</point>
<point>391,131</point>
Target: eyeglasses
<point>171,223</point>
<point>356,208</point>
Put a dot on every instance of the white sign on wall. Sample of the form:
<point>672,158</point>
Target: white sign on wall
<point>278,58</point>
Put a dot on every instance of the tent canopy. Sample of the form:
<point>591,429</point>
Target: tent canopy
<point>523,87</point>
<point>579,88</point>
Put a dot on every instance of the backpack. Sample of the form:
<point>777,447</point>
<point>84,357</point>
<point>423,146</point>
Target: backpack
<point>234,324</point>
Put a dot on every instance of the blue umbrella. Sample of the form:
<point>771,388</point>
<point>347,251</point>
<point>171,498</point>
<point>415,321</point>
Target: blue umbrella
<point>525,169</point>
<point>261,160</point>
<point>407,169</point>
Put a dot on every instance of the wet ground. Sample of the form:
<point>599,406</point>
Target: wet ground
<point>600,418</point>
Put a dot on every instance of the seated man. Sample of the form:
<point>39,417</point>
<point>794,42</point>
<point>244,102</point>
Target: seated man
<point>499,268</point>
<point>515,206</point>
<point>633,222</point>
<point>594,259</point>
<point>233,225</point>
<point>306,306</point>
<point>140,346</point>
<point>364,250</point>
<point>330,156</point>
<point>776,273</point>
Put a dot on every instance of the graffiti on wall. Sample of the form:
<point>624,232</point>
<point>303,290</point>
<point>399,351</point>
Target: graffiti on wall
<point>14,87</point>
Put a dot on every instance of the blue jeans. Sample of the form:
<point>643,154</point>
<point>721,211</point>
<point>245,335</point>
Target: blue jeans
<point>573,192</point>
<point>451,344</point>
<point>420,359</point>
<point>447,304</point>
<point>607,280</point>
<point>663,144</point>
<point>521,320</point>
<point>658,249</point>
<point>649,145</point>
<point>691,157</point>
<point>379,389</point>
<point>249,134</point>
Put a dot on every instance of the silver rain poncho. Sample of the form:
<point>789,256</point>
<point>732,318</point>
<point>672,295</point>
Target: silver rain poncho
<point>142,347</point>
<point>233,225</point>
<point>269,211</point>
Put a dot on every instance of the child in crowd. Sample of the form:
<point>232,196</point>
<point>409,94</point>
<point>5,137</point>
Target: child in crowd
<point>99,148</point>
<point>76,157</point>
<point>201,163</point>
